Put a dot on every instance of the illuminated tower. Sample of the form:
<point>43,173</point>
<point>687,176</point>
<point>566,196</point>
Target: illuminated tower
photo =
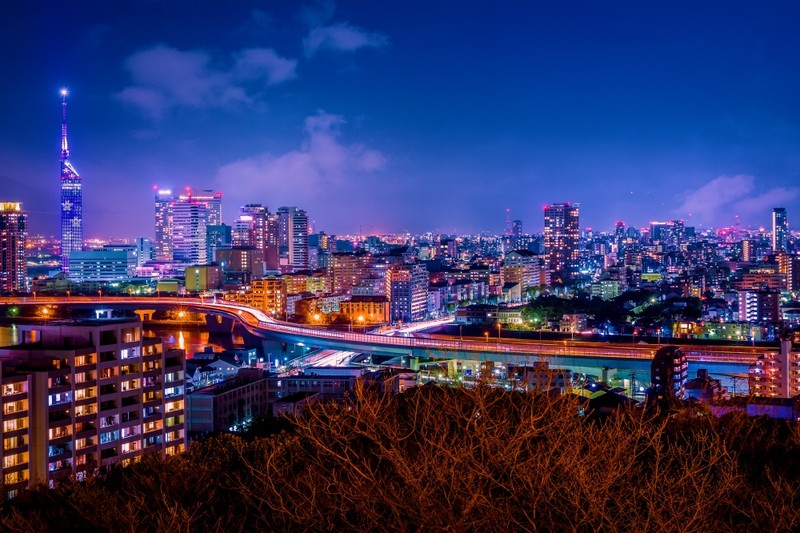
<point>71,197</point>
<point>561,234</point>
<point>13,233</point>
<point>780,229</point>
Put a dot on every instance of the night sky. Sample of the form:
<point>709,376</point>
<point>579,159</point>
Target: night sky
<point>406,116</point>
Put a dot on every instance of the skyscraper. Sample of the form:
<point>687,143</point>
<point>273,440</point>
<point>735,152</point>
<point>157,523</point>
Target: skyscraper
<point>181,224</point>
<point>71,196</point>
<point>561,234</point>
<point>780,229</point>
<point>189,227</point>
<point>163,243</point>
<point>13,234</point>
<point>293,238</point>
<point>212,200</point>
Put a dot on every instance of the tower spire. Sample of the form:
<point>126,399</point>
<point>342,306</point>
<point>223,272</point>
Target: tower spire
<point>64,142</point>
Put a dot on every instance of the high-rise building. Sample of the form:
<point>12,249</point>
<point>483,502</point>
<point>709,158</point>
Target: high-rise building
<point>212,200</point>
<point>71,197</point>
<point>293,238</point>
<point>780,229</point>
<point>407,290</point>
<point>347,270</point>
<point>80,396</point>
<point>181,224</point>
<point>13,234</point>
<point>256,227</point>
<point>561,235</point>
<point>144,251</point>
<point>163,243</point>
<point>189,226</point>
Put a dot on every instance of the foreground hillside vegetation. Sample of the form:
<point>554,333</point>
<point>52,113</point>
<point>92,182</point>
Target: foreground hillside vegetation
<point>450,460</point>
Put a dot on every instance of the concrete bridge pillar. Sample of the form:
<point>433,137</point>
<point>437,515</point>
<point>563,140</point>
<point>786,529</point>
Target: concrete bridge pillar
<point>219,325</point>
<point>145,315</point>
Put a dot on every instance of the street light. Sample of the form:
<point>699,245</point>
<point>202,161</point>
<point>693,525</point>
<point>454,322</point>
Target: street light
<point>486,334</point>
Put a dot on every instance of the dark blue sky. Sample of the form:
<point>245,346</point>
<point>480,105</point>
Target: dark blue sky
<point>395,116</point>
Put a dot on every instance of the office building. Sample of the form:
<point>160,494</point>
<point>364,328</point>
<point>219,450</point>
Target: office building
<point>293,238</point>
<point>80,396</point>
<point>256,227</point>
<point>346,270</point>
<point>182,225</point>
<point>71,196</point>
<point>13,237</point>
<point>241,263</point>
<point>407,290</point>
<point>780,230</point>
<point>163,242</point>
<point>102,265</point>
<point>211,200</point>
<point>144,251</point>
<point>561,234</point>
<point>189,237</point>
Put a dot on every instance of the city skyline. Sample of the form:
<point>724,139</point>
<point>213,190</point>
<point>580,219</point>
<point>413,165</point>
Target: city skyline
<point>375,124</point>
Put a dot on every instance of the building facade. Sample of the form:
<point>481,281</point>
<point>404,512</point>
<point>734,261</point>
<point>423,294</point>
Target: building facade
<point>101,265</point>
<point>407,290</point>
<point>780,230</point>
<point>561,239</point>
<point>13,237</point>
<point>189,227</point>
<point>80,396</point>
<point>293,238</point>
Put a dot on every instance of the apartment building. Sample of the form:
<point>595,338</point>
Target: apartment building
<point>81,395</point>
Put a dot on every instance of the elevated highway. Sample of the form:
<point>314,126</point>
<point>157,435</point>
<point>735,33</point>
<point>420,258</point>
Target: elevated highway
<point>415,347</point>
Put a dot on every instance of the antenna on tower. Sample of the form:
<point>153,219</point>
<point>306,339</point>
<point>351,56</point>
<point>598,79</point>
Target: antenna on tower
<point>64,144</point>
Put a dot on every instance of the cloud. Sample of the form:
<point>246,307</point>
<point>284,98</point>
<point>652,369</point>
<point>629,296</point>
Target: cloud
<point>720,199</point>
<point>164,77</point>
<point>763,203</point>
<point>263,63</point>
<point>322,166</point>
<point>342,37</point>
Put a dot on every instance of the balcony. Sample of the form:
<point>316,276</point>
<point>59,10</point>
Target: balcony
<point>128,401</point>
<point>56,416</point>
<point>106,390</point>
